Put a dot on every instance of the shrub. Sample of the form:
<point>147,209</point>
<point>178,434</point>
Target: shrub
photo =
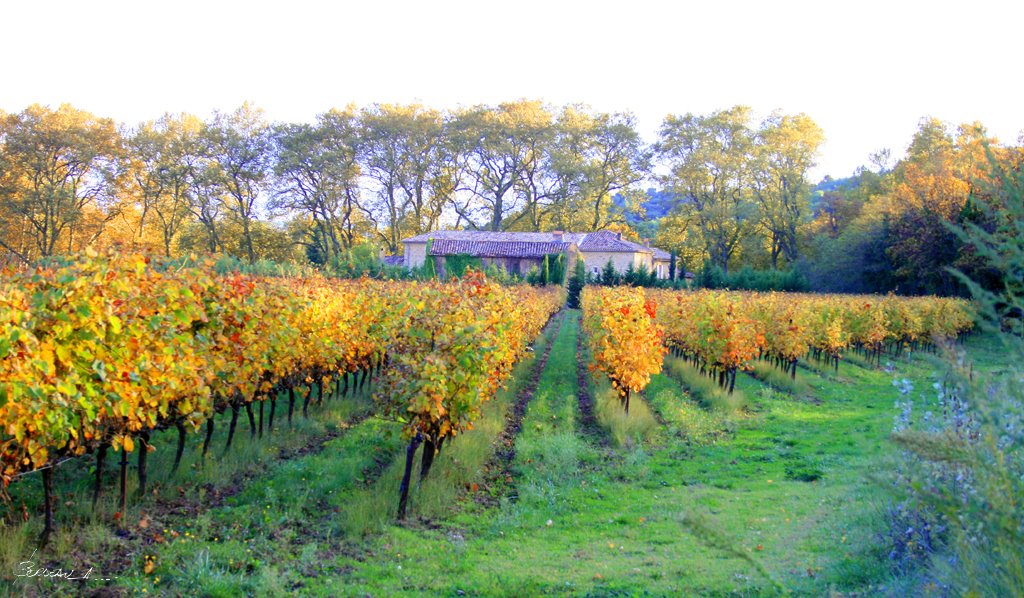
<point>963,465</point>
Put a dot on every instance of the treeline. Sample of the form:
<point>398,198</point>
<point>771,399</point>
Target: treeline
<point>240,185</point>
<point>740,197</point>
<point>896,226</point>
<point>734,190</point>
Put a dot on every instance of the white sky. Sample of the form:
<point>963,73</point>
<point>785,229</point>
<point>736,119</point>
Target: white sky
<point>865,71</point>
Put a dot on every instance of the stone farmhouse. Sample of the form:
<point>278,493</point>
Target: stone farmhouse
<point>519,252</point>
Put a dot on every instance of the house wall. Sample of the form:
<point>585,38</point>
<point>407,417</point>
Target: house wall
<point>661,266</point>
<point>415,255</point>
<point>621,260</point>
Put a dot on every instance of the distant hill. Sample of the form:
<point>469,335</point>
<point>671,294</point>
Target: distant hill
<point>830,185</point>
<point>657,205</point>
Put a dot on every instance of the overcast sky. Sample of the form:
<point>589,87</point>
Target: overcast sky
<point>865,71</point>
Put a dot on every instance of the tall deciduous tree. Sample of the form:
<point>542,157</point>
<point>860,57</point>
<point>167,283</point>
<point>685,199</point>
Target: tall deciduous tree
<point>316,176</point>
<point>206,198</point>
<point>709,171</point>
<point>240,143</point>
<point>784,152</point>
<point>412,167</point>
<point>582,160</point>
<point>163,157</point>
<point>931,190</point>
<point>615,159</point>
<point>502,142</point>
<point>57,167</point>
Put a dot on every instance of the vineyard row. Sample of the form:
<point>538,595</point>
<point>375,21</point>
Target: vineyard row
<point>98,351</point>
<point>722,332</point>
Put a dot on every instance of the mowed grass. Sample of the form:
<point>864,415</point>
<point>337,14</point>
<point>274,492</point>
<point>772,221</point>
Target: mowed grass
<point>769,494</point>
<point>786,483</point>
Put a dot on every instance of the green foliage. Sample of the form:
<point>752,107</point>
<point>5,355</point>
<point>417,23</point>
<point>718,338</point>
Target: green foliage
<point>429,268</point>
<point>576,284</point>
<point>647,278</point>
<point>609,277</point>
<point>534,276</point>
<point>640,276</point>
<point>855,261</point>
<point>556,264</point>
<point>630,277</point>
<point>456,265</point>
<point>748,279</point>
<point>551,271</point>
<point>502,276</point>
<point>226,264</point>
<point>364,260</point>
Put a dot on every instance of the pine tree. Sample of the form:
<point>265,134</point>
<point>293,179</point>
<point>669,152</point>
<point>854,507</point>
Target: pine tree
<point>576,284</point>
<point>630,276</point>
<point>609,277</point>
<point>642,277</point>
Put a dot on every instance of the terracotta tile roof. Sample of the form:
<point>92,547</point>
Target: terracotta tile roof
<point>512,244</point>
<point>608,241</point>
<point>497,237</point>
<point>661,254</point>
<point>497,248</point>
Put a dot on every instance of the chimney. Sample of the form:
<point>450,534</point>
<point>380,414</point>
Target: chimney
<point>647,243</point>
<point>618,236</point>
<point>557,235</point>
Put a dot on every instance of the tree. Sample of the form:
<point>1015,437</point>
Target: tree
<point>784,151</point>
<point>163,157</point>
<point>595,157</point>
<point>609,277</point>
<point>576,284</point>
<point>615,159</point>
<point>316,177</point>
<point>501,142</point>
<point>412,167</point>
<point>205,203</point>
<point>57,168</point>
<point>240,143</point>
<point>709,172</point>
<point>930,192</point>
<point>546,179</point>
